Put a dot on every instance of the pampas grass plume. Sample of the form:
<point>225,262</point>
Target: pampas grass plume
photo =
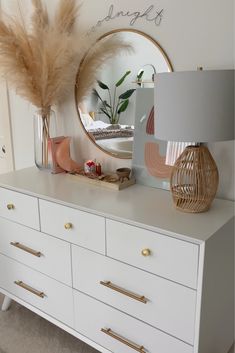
<point>40,64</point>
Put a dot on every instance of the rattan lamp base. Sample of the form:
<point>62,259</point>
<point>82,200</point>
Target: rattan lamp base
<point>194,180</point>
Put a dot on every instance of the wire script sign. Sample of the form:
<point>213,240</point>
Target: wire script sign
<point>150,14</point>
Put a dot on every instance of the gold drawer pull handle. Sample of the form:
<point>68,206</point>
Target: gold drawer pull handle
<point>134,346</point>
<point>10,206</point>
<point>25,248</point>
<point>30,289</point>
<point>146,252</point>
<point>140,298</point>
<point>68,225</point>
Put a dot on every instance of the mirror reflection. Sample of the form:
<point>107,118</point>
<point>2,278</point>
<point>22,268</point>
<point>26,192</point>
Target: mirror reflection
<point>108,114</point>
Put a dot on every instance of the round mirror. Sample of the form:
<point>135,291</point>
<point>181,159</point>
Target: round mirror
<point>108,114</point>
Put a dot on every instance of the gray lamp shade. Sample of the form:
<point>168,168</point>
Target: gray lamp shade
<point>194,106</point>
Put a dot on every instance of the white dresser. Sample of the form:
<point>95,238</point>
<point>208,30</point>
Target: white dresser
<point>123,271</point>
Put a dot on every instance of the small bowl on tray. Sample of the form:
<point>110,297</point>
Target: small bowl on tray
<point>123,173</point>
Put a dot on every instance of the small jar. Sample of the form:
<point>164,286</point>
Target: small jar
<point>98,169</point>
<point>89,167</point>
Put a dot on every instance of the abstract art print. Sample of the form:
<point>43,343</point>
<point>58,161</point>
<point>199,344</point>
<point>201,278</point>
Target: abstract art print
<point>149,154</point>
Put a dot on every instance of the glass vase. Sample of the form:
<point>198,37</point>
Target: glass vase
<point>44,129</point>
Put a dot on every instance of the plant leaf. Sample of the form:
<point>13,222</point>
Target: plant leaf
<point>139,76</point>
<point>96,94</point>
<point>106,104</point>
<point>94,91</point>
<point>102,85</point>
<point>124,106</point>
<point>127,94</point>
<point>122,79</point>
<point>104,111</point>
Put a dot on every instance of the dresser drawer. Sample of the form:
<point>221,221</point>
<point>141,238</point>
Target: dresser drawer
<point>19,208</point>
<point>37,250</point>
<point>48,295</point>
<point>164,256</point>
<point>93,319</point>
<point>83,228</point>
<point>168,306</point>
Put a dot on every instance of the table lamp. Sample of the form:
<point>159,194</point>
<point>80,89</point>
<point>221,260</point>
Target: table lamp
<point>194,106</point>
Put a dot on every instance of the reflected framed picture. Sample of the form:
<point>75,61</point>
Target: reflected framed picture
<point>149,154</point>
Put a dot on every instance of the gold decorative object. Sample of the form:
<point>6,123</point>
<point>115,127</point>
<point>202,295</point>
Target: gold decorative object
<point>109,284</point>
<point>68,226</point>
<point>109,178</point>
<point>146,252</point>
<point>25,248</point>
<point>117,337</point>
<point>10,206</point>
<point>194,180</point>
<point>30,289</point>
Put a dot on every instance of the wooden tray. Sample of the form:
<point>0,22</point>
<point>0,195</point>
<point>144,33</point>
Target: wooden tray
<point>117,185</point>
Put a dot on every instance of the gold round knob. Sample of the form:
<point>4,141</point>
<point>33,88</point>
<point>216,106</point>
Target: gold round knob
<point>68,225</point>
<point>146,252</point>
<point>10,206</point>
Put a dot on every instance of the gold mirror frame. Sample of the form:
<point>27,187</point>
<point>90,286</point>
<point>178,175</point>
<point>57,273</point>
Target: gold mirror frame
<point>148,37</point>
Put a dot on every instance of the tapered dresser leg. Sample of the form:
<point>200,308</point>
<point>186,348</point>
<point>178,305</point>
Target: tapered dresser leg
<point>6,303</point>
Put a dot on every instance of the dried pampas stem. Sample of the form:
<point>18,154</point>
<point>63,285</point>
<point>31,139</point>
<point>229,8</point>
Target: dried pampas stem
<point>41,64</point>
<point>66,15</point>
<point>92,63</point>
<point>39,19</point>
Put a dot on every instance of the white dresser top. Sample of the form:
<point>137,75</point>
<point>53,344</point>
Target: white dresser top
<point>137,205</point>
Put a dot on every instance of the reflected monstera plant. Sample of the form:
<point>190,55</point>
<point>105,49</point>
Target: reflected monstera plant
<point>116,104</point>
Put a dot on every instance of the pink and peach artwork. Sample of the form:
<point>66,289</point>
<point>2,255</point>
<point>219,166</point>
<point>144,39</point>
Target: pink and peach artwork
<point>150,123</point>
<point>154,162</point>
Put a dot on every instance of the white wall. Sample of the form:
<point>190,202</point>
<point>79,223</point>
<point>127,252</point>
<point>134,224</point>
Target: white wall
<point>193,33</point>
<point>6,151</point>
